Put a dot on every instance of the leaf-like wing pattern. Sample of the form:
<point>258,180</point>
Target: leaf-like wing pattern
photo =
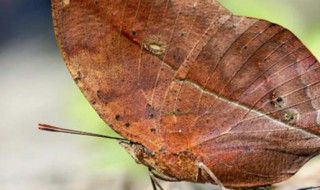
<point>241,94</point>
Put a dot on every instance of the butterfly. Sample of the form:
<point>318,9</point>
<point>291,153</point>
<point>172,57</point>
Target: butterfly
<point>198,94</point>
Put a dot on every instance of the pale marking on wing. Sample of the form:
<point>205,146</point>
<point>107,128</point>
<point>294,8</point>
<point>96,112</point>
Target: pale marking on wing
<point>307,94</point>
<point>286,108</point>
<point>268,113</point>
<point>277,62</point>
<point>247,60</point>
<point>170,85</point>
<point>225,53</point>
<point>306,87</point>
<point>318,117</point>
<point>282,109</point>
<point>163,63</point>
<point>201,95</point>
<point>285,82</point>
<point>187,59</point>
<point>66,2</point>
<point>288,66</point>
<point>188,34</point>
<point>226,20</point>
<point>220,60</point>
<point>141,49</point>
<point>211,137</point>
<point>262,82</point>
<point>247,131</point>
<point>314,106</point>
<point>261,114</point>
<point>195,4</point>
<point>166,52</point>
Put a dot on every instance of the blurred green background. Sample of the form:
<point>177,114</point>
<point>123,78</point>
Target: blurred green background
<point>36,87</point>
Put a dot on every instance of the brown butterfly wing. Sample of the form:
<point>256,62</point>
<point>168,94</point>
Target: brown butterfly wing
<point>108,49</point>
<point>262,99</point>
<point>239,93</point>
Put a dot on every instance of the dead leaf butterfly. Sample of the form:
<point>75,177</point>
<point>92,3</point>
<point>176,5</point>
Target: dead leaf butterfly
<point>197,93</point>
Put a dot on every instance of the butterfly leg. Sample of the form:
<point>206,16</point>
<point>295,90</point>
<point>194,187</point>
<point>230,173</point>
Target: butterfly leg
<point>154,187</point>
<point>163,177</point>
<point>202,166</point>
<point>310,188</point>
<point>154,180</point>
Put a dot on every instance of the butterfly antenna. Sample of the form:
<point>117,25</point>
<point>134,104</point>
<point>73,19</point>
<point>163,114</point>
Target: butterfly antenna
<point>51,128</point>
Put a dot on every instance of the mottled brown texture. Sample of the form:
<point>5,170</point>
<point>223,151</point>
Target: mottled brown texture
<point>188,82</point>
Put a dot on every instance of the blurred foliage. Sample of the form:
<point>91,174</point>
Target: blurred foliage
<point>24,19</point>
